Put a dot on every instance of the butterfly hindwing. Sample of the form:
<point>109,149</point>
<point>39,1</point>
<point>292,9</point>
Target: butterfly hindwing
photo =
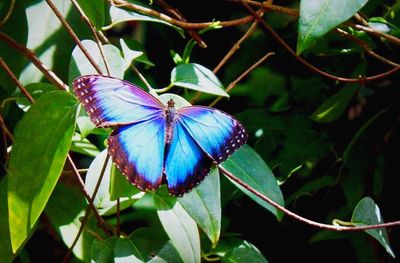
<point>110,101</point>
<point>217,133</point>
<point>138,151</point>
<point>186,164</point>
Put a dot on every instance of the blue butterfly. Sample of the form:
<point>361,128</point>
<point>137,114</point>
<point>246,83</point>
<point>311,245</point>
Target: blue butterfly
<point>155,143</point>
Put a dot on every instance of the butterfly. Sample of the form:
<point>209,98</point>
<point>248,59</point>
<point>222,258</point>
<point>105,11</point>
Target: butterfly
<point>153,143</point>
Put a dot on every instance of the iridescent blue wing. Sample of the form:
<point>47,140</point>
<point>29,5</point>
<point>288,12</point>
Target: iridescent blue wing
<point>111,101</point>
<point>216,132</point>
<point>186,164</point>
<point>138,151</point>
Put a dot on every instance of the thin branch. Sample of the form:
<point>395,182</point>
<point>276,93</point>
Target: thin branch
<point>9,12</point>
<point>244,74</point>
<point>376,33</point>
<point>50,75</point>
<point>16,81</point>
<point>94,32</point>
<point>312,67</point>
<point>185,25</point>
<point>86,216</point>
<point>179,16</point>
<point>6,131</point>
<point>303,219</point>
<point>71,32</point>
<point>100,220</point>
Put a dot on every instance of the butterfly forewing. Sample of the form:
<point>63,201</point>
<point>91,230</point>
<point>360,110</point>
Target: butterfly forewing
<point>217,133</point>
<point>111,101</point>
<point>138,151</point>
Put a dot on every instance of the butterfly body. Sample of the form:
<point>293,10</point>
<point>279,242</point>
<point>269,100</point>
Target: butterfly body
<point>155,143</point>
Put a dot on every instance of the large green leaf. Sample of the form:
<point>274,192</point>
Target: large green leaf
<point>33,171</point>
<point>318,17</point>
<point>242,253</point>
<point>250,168</point>
<point>203,204</point>
<point>65,209</point>
<point>126,251</point>
<point>6,252</point>
<point>16,27</point>
<point>95,11</point>
<point>179,226</point>
<point>102,251</point>
<point>196,77</point>
<point>80,65</point>
<point>368,213</point>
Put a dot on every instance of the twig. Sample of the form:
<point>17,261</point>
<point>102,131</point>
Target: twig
<point>179,16</point>
<point>9,12</point>
<point>16,81</point>
<point>5,129</point>
<point>244,74</point>
<point>376,33</point>
<point>53,78</point>
<point>303,219</point>
<point>86,216</point>
<point>100,220</point>
<point>94,32</point>
<point>312,67</point>
<point>74,36</point>
<point>185,25</point>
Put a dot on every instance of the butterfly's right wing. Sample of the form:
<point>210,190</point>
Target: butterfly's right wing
<point>138,151</point>
<point>110,101</point>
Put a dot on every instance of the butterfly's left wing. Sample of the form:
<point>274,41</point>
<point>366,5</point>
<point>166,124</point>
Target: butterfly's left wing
<point>216,132</point>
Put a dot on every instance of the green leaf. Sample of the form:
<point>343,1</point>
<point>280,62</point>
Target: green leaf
<point>17,28</point>
<point>196,77</point>
<point>85,125</point>
<point>33,171</point>
<point>368,213</point>
<point>133,50</point>
<point>179,101</point>
<point>102,200</point>
<point>318,17</point>
<point>36,90</point>
<point>167,254</point>
<point>179,226</point>
<point>120,186</point>
<point>65,208</point>
<point>80,65</point>
<point>83,146</point>
<point>126,251</point>
<point>95,11</point>
<point>148,241</point>
<point>250,168</point>
<point>102,251</point>
<point>334,107</point>
<point>6,252</point>
<point>242,253</point>
<point>119,15</point>
<point>203,204</point>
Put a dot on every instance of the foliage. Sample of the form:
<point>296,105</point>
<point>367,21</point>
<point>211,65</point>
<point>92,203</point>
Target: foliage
<point>323,124</point>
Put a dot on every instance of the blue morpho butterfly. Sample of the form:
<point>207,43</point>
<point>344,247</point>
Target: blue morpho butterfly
<point>155,143</point>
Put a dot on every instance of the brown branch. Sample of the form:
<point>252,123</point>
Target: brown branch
<point>376,33</point>
<point>179,16</point>
<point>74,36</point>
<point>303,219</point>
<point>185,25</point>
<point>244,74</point>
<point>16,81</point>
<point>5,129</point>
<point>50,75</point>
<point>310,66</point>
